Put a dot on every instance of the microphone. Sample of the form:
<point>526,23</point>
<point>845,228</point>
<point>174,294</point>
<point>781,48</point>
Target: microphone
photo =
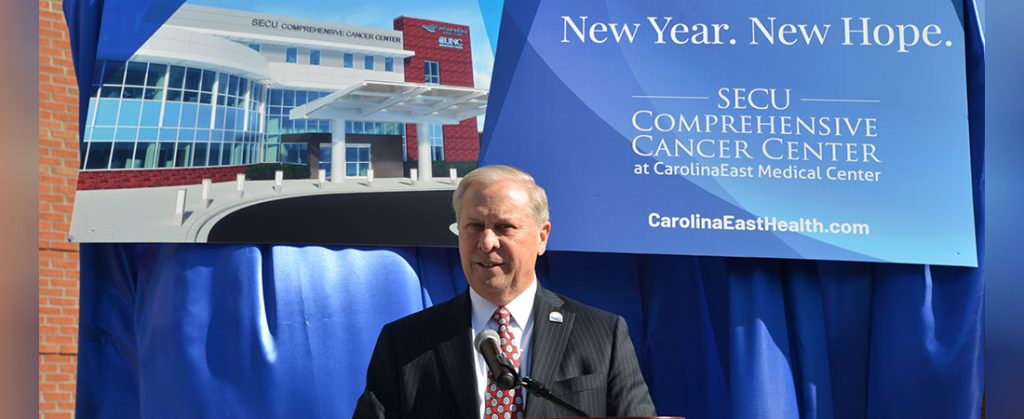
<point>487,343</point>
<point>505,375</point>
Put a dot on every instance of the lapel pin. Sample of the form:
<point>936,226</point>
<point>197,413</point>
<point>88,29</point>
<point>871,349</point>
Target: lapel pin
<point>555,317</point>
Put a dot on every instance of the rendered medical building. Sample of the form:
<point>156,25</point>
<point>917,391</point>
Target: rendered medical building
<point>215,90</point>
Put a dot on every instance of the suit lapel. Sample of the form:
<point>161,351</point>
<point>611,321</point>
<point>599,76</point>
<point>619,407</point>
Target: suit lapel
<point>548,344</point>
<point>454,332</point>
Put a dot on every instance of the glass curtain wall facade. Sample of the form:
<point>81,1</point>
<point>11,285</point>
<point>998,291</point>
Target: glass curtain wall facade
<point>150,115</point>
<point>146,115</point>
<point>279,103</point>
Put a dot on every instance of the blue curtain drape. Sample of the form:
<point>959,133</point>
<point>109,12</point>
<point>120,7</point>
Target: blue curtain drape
<point>175,330</point>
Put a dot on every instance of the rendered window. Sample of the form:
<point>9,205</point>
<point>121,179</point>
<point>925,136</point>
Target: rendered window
<point>114,72</point>
<point>183,158</point>
<point>190,96</point>
<point>199,156</point>
<point>436,142</point>
<point>389,64</point>
<point>153,94</point>
<point>291,55</point>
<point>177,77</point>
<point>122,156</point>
<point>208,78</point>
<point>147,134</point>
<point>368,61</point>
<point>129,115</point>
<point>325,158</point>
<point>215,154</point>
<point>126,134</point>
<point>136,74</point>
<point>233,83</point>
<point>255,47</point>
<point>431,72</point>
<point>132,93</point>
<point>314,57</point>
<point>99,155</point>
<point>294,153</point>
<point>157,75</point>
<point>150,113</point>
<point>348,60</point>
<point>205,116</point>
<point>188,115</point>
<point>165,155</point>
<point>145,154</point>
<point>110,91</point>
<point>106,112</point>
<point>357,160</point>
<point>192,78</point>
<point>222,84</point>
<point>102,134</point>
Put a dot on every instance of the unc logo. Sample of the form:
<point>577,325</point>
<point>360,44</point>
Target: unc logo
<point>449,42</point>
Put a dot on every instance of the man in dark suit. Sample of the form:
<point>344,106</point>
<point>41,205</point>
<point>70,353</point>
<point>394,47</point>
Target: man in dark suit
<point>425,366</point>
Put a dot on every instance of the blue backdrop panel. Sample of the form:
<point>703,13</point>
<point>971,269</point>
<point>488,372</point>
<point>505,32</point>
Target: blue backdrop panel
<point>282,331</point>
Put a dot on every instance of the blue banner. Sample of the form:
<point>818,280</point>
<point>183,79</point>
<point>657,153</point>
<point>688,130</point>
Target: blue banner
<point>798,130</point>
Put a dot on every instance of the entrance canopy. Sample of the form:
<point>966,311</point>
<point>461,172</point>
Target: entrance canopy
<point>387,101</point>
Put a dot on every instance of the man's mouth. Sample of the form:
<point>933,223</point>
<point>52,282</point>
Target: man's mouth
<point>488,265</point>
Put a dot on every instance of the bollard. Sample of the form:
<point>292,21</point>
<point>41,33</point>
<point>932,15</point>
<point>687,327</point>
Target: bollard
<point>369,176</point>
<point>278,180</point>
<point>179,207</point>
<point>452,174</point>
<point>206,192</point>
<point>240,185</point>
<point>413,175</point>
<point>322,178</point>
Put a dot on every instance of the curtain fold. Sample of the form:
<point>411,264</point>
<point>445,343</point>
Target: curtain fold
<point>280,331</point>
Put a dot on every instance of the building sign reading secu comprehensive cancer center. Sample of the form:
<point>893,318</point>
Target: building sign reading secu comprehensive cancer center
<point>807,129</point>
<point>341,33</point>
<point>214,20</point>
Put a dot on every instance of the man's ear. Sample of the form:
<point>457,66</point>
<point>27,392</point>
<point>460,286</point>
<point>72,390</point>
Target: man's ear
<point>545,230</point>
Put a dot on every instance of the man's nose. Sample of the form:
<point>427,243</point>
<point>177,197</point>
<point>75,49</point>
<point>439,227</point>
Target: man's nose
<point>488,241</point>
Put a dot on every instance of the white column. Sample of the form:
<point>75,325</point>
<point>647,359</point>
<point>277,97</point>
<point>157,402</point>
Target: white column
<point>338,151</point>
<point>423,147</point>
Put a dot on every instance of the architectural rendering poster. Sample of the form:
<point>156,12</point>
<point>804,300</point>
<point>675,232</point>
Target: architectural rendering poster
<point>283,122</point>
<point>801,129</point>
<point>796,130</point>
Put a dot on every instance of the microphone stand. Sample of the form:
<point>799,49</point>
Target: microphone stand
<point>536,388</point>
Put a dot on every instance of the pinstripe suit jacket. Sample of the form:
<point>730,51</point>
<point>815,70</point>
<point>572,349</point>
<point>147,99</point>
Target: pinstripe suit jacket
<point>422,366</point>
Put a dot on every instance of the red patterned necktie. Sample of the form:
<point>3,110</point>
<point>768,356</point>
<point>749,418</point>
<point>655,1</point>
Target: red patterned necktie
<point>504,404</point>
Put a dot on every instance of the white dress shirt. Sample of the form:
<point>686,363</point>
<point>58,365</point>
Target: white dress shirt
<point>522,328</point>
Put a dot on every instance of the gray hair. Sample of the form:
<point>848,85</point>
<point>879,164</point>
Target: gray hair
<point>486,175</point>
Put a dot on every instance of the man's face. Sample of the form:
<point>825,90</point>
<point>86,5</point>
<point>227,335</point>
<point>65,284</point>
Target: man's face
<point>499,240</point>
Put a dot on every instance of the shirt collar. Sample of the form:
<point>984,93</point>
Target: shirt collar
<point>521,307</point>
